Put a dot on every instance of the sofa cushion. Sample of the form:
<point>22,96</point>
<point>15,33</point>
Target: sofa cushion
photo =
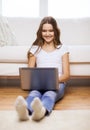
<point>79,70</point>
<point>13,54</point>
<point>7,69</point>
<point>10,69</point>
<point>79,53</point>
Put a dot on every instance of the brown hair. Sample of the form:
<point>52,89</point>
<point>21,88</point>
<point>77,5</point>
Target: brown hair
<point>39,40</point>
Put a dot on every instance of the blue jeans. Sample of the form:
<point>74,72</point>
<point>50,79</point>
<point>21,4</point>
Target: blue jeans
<point>48,98</point>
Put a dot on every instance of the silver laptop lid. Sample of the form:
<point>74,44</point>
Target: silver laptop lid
<point>39,78</point>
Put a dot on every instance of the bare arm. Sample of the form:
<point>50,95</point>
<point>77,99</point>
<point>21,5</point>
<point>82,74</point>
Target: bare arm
<point>66,68</point>
<point>31,60</point>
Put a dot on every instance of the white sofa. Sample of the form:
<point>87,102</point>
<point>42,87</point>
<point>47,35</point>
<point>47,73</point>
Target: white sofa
<point>74,33</point>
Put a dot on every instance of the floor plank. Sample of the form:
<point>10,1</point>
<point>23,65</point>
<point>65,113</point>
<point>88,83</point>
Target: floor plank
<point>76,97</point>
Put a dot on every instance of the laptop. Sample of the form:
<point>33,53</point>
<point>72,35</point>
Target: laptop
<point>42,79</point>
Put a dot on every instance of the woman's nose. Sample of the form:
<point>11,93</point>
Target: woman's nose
<point>47,33</point>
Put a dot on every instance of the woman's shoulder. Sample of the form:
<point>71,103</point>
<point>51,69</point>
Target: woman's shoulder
<point>33,49</point>
<point>63,48</point>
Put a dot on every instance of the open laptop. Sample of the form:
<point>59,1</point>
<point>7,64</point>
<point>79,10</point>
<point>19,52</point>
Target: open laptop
<point>39,78</point>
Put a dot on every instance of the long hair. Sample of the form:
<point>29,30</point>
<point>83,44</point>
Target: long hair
<point>39,40</point>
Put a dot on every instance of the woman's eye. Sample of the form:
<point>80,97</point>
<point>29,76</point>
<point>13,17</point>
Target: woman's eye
<point>43,30</point>
<point>47,30</point>
<point>51,30</point>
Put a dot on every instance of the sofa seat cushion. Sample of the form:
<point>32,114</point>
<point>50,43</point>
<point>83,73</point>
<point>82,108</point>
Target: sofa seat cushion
<point>10,69</point>
<point>80,70</point>
<point>79,53</point>
<point>10,54</point>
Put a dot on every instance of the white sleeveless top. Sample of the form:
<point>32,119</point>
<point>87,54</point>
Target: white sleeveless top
<point>50,59</point>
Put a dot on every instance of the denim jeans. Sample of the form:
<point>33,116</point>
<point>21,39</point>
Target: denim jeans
<point>48,98</point>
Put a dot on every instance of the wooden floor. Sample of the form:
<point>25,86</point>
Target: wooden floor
<point>76,97</point>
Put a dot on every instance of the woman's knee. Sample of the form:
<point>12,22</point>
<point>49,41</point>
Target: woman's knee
<point>35,93</point>
<point>50,94</point>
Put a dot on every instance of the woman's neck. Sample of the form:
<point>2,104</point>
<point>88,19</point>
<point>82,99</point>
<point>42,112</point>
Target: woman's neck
<point>48,47</point>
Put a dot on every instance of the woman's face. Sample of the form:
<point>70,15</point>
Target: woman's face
<point>47,33</point>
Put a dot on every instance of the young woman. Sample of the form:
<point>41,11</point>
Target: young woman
<point>46,51</point>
